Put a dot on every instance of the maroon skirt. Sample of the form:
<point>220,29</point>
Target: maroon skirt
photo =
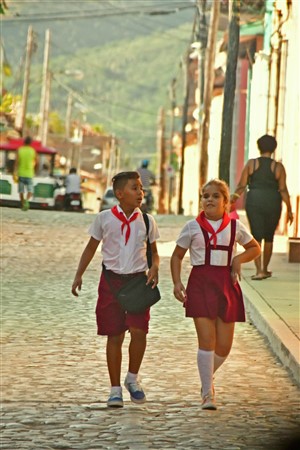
<point>211,293</point>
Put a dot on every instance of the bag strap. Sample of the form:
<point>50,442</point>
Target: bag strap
<point>149,252</point>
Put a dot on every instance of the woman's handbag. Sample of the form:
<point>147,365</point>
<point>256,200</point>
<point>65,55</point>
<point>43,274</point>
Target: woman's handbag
<point>136,296</point>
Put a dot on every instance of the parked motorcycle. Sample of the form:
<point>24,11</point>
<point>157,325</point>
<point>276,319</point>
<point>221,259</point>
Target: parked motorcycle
<point>73,202</point>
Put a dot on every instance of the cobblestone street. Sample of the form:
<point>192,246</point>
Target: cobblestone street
<point>54,379</point>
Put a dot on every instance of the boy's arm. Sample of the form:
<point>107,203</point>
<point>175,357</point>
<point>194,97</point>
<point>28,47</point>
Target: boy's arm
<point>85,259</point>
<point>152,274</point>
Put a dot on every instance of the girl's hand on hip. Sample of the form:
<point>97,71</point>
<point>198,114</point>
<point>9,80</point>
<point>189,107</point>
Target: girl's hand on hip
<point>236,270</point>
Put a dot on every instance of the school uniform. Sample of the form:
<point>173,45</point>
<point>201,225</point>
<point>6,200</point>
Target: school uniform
<point>124,254</point>
<point>210,290</point>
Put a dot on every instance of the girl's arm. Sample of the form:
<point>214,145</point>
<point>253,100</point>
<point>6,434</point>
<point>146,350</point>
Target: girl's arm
<point>252,251</point>
<point>85,259</point>
<point>152,274</point>
<point>176,263</point>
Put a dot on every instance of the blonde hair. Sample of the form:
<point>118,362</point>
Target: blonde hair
<point>223,188</point>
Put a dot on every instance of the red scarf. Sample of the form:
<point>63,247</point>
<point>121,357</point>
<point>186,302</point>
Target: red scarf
<point>203,222</point>
<point>121,216</point>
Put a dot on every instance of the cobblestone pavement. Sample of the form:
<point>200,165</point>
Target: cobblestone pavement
<point>54,379</point>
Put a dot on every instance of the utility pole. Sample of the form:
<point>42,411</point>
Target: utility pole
<point>162,150</point>
<point>208,89</point>
<point>68,115</point>
<point>112,161</point>
<point>45,96</point>
<point>229,90</point>
<point>183,132</point>
<point>171,154</point>
<point>29,46</point>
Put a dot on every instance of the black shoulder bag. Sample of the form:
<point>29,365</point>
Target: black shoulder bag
<point>136,296</point>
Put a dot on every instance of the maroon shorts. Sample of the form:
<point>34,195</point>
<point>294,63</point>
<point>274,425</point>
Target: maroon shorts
<point>211,293</point>
<point>111,319</point>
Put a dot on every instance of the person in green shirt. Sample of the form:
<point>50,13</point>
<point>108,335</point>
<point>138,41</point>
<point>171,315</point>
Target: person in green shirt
<point>25,169</point>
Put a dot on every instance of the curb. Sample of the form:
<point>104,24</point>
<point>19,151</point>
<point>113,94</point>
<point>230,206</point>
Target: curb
<point>282,340</point>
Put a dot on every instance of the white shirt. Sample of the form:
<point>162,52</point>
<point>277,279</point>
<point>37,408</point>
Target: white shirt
<point>191,237</point>
<point>73,183</point>
<point>117,256</point>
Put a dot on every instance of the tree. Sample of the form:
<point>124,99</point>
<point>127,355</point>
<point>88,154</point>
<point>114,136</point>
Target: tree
<point>229,90</point>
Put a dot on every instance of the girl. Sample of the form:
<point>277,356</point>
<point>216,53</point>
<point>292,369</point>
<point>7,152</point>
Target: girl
<point>213,297</point>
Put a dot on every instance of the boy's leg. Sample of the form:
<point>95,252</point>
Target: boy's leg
<point>114,361</point>
<point>114,358</point>
<point>137,347</point>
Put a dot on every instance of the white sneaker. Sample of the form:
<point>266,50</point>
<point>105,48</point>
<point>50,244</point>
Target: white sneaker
<point>136,392</point>
<point>115,401</point>
<point>208,401</point>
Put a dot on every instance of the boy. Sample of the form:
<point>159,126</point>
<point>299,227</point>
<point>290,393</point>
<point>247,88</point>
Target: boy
<point>123,234</point>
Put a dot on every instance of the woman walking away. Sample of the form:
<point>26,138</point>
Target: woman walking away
<point>213,296</point>
<point>266,181</point>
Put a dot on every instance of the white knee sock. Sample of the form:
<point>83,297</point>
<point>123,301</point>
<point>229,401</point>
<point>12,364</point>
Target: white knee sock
<point>218,361</point>
<point>205,360</point>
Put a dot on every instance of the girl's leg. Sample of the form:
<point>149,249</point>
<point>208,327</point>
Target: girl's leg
<point>224,339</point>
<point>114,358</point>
<point>206,332</point>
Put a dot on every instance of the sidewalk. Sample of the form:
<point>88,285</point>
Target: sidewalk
<point>273,305</point>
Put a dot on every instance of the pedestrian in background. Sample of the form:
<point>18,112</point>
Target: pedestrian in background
<point>266,182</point>
<point>123,234</point>
<point>147,177</point>
<point>73,182</point>
<point>24,170</point>
<point>73,186</point>
<point>213,296</point>
<point>148,180</point>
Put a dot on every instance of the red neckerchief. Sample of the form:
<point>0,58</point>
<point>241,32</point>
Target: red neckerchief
<point>203,222</point>
<point>121,216</point>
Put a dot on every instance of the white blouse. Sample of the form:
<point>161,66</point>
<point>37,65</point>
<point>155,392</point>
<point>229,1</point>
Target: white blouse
<point>191,237</point>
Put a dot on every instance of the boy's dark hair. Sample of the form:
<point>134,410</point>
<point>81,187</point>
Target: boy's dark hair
<point>73,170</point>
<point>120,180</point>
<point>266,143</point>
<point>27,140</point>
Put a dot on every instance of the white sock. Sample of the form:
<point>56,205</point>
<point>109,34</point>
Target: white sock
<point>116,390</point>
<point>131,377</point>
<point>205,360</point>
<point>218,361</point>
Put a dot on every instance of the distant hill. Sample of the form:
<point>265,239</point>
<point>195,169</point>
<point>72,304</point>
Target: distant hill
<point>128,61</point>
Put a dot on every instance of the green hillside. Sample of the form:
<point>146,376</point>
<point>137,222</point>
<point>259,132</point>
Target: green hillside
<point>128,64</point>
